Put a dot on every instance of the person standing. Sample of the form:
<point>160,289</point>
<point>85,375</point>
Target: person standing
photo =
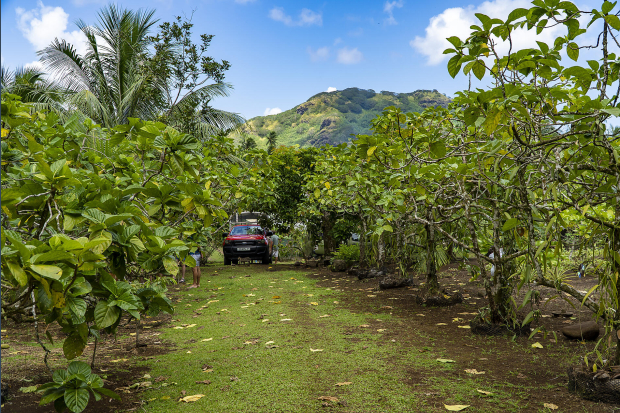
<point>196,255</point>
<point>275,243</point>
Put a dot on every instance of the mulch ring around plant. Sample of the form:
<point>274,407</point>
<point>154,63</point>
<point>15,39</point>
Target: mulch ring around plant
<point>507,361</point>
<point>116,363</point>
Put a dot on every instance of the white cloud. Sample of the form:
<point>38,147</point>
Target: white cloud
<point>34,65</point>
<point>40,26</point>
<point>389,9</point>
<point>349,56</point>
<point>331,89</point>
<point>319,54</point>
<point>272,111</point>
<point>306,17</point>
<point>456,22</point>
<point>337,41</point>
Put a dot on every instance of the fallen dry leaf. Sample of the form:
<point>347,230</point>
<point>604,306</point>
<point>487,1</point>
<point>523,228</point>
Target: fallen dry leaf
<point>314,303</point>
<point>193,398</point>
<point>314,350</point>
<point>324,315</point>
<point>456,407</point>
<point>275,297</point>
<point>537,345</point>
<point>344,383</point>
<point>473,371</point>
<point>464,326</point>
<point>381,330</point>
<point>365,325</point>
<point>488,393</point>
<point>441,324</point>
<point>117,361</point>
<point>550,406</point>
<point>445,361</point>
<point>329,399</point>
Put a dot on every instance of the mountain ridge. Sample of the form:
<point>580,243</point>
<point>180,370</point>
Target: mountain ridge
<point>335,117</point>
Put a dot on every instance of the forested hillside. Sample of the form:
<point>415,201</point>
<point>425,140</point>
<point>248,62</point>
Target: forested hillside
<point>332,118</point>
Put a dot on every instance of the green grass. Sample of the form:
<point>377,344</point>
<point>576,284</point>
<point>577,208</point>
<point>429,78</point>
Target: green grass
<point>291,377</point>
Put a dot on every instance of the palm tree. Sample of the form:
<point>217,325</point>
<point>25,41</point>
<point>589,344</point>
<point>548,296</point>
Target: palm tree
<point>106,84</point>
<point>272,140</point>
<point>31,85</point>
<point>119,77</point>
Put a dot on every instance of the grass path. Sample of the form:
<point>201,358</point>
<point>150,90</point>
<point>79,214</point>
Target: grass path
<point>277,342</point>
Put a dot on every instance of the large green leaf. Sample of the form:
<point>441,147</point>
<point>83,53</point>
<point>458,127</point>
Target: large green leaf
<point>76,305</point>
<point>106,315</point>
<point>171,265</point>
<point>438,149</point>
<point>18,273</point>
<point>47,271</point>
<point>76,399</point>
<point>73,346</point>
<point>79,367</point>
<point>510,224</point>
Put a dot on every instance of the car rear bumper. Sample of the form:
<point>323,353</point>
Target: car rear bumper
<point>258,251</point>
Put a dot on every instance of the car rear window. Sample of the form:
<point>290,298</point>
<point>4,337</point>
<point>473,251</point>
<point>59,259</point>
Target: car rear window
<point>247,230</point>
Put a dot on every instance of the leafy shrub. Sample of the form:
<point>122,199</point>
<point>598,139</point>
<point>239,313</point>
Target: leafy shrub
<point>349,253</point>
<point>70,387</point>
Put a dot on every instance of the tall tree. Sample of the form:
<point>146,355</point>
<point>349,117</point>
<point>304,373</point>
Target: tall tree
<point>106,84</point>
<point>272,141</point>
<point>31,85</point>
<point>192,80</point>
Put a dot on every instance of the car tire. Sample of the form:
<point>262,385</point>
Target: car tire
<point>267,259</point>
<point>226,260</point>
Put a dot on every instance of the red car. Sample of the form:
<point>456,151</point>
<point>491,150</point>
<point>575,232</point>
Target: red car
<point>247,241</point>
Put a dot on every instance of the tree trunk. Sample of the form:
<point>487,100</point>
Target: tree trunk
<point>431,265</point>
<point>328,241</point>
<point>362,239</point>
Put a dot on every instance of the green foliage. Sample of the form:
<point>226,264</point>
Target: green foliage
<point>88,211</point>
<point>70,388</point>
<point>349,253</point>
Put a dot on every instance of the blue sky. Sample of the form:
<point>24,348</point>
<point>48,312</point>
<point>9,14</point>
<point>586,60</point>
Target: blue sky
<point>283,52</point>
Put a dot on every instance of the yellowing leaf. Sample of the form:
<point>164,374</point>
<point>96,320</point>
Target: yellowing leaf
<point>488,393</point>
<point>551,406</point>
<point>537,345</point>
<point>344,383</point>
<point>118,361</point>
<point>5,132</point>
<point>193,398</point>
<point>456,407</point>
<point>464,327</point>
<point>441,324</point>
<point>165,397</point>
<point>275,297</point>
<point>327,185</point>
<point>314,350</point>
<point>314,303</point>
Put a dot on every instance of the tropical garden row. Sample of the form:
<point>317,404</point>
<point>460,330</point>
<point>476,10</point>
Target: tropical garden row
<point>116,166</point>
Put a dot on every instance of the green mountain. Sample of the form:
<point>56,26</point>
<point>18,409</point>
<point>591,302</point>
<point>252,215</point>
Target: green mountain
<point>333,117</point>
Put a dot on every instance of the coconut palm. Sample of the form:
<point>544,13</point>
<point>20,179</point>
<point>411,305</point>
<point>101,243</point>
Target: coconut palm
<point>106,83</point>
<point>119,77</point>
<point>32,86</point>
